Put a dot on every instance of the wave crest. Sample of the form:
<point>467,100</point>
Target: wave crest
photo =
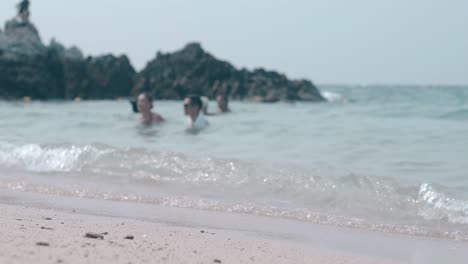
<point>437,205</point>
<point>38,158</point>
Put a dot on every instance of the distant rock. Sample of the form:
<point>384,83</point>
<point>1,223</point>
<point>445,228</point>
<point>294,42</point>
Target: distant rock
<point>20,30</point>
<point>29,68</point>
<point>25,66</point>
<point>72,53</point>
<point>21,39</point>
<point>103,77</point>
<point>194,71</point>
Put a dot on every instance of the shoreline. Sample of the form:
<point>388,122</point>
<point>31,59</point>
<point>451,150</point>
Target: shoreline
<point>172,235</point>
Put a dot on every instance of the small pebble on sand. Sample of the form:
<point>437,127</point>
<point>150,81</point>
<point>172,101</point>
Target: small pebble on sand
<point>94,235</point>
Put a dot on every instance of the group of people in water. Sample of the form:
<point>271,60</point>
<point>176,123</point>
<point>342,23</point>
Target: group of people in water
<point>195,108</point>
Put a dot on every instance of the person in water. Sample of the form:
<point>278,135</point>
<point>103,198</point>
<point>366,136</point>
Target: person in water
<point>193,109</point>
<point>205,102</point>
<point>223,104</point>
<point>144,105</point>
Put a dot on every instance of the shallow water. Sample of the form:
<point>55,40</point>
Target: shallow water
<point>392,159</point>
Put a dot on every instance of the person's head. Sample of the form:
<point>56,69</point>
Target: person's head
<point>144,102</point>
<point>222,101</point>
<point>192,105</point>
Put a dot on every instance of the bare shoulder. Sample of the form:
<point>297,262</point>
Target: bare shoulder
<point>158,118</point>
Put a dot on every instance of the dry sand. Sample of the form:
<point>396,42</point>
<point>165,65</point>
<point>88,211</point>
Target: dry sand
<point>30,235</point>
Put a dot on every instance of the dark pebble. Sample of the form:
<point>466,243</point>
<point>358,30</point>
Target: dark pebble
<point>129,237</point>
<point>202,231</point>
<point>47,228</point>
<point>42,244</point>
<point>48,218</point>
<point>217,261</point>
<point>94,235</point>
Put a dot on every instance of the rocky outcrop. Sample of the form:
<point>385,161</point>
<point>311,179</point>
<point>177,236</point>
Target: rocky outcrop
<point>194,71</point>
<point>101,77</point>
<point>25,65</point>
<point>29,68</point>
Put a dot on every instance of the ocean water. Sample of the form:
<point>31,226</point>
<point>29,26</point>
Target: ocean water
<point>386,158</point>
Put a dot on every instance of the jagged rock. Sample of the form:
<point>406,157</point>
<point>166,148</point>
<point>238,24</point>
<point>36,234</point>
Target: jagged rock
<point>37,77</point>
<point>29,68</point>
<point>72,53</point>
<point>194,71</point>
<point>21,30</point>
<point>21,39</point>
<point>103,77</point>
<point>26,66</point>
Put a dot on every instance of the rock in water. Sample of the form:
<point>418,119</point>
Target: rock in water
<point>29,68</point>
<point>25,66</point>
<point>22,39</point>
<point>194,71</point>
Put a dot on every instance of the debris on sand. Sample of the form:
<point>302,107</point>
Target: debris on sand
<point>94,235</point>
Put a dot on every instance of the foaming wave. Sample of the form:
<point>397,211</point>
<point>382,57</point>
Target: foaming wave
<point>436,205</point>
<point>38,158</point>
<point>173,179</point>
<point>332,97</point>
<point>302,214</point>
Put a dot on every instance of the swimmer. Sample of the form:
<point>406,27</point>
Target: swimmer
<point>205,102</point>
<point>193,109</point>
<point>144,105</point>
<point>223,102</point>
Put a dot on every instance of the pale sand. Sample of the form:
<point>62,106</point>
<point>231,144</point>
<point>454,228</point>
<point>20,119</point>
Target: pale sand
<point>22,228</point>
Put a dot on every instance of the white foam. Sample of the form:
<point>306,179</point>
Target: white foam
<point>331,96</point>
<point>36,158</point>
<point>436,205</point>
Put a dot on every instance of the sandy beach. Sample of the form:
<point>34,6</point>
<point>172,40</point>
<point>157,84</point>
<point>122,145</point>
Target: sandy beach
<point>32,235</point>
<point>51,229</point>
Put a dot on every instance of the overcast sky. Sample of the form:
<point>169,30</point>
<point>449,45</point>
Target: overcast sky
<point>327,41</point>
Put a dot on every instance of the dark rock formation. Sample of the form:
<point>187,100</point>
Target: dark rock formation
<point>29,68</point>
<point>25,66</point>
<point>102,77</point>
<point>194,71</point>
